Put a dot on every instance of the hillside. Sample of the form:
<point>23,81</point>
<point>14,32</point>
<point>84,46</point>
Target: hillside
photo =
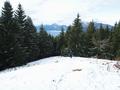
<point>63,73</point>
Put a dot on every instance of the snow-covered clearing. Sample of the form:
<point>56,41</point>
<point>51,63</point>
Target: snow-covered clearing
<point>63,73</point>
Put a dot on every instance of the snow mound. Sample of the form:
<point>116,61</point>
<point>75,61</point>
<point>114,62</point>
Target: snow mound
<point>63,73</point>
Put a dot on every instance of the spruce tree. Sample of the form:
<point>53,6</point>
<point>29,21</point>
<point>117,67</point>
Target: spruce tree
<point>89,36</point>
<point>45,43</point>
<point>75,38</point>
<point>12,52</point>
<point>7,15</point>
<point>116,40</point>
<point>61,42</point>
<point>20,16</point>
<point>101,41</point>
<point>30,40</point>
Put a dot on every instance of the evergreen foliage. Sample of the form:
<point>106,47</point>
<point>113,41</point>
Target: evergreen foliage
<point>30,40</point>
<point>75,37</point>
<point>45,43</point>
<point>61,42</point>
<point>11,53</point>
<point>20,16</point>
<point>20,42</point>
<point>89,39</point>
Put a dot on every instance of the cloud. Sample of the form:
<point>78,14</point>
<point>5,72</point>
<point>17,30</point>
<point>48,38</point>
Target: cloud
<point>64,11</point>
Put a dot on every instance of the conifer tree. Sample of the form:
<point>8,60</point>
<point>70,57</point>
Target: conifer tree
<point>7,15</point>
<point>45,43</point>
<point>20,16</point>
<point>89,36</point>
<point>116,40</point>
<point>12,52</point>
<point>101,41</point>
<point>61,42</point>
<point>20,19</point>
<point>75,38</point>
<point>30,40</point>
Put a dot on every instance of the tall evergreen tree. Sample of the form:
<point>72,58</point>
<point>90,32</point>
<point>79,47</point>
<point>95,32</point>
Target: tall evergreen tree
<point>20,19</point>
<point>12,52</point>
<point>89,37</point>
<point>7,15</point>
<point>20,16</point>
<point>30,40</point>
<point>75,38</point>
<point>45,43</point>
<point>61,42</point>
<point>101,41</point>
<point>116,40</point>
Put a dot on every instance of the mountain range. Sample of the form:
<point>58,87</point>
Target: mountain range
<point>55,29</point>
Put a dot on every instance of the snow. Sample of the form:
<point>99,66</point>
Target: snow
<point>63,73</point>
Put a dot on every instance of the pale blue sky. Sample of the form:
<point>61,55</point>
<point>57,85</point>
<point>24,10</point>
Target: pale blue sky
<point>64,11</point>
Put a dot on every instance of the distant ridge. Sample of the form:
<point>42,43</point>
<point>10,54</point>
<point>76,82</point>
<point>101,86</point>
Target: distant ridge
<point>55,29</point>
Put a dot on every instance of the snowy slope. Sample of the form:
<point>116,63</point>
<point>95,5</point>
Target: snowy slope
<point>63,73</point>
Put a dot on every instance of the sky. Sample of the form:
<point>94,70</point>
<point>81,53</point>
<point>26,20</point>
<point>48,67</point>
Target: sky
<point>65,11</point>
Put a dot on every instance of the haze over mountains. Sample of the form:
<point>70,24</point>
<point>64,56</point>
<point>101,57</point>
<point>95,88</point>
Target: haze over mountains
<point>55,29</point>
